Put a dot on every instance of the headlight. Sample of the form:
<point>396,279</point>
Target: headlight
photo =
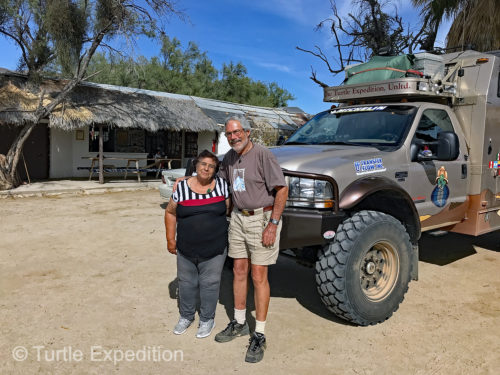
<point>423,86</point>
<point>306,192</point>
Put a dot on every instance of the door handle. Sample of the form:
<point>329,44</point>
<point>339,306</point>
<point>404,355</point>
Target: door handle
<point>464,171</point>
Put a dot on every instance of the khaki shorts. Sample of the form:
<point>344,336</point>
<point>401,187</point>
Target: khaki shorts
<point>245,238</point>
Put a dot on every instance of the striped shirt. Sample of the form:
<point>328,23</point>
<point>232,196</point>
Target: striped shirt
<point>201,220</point>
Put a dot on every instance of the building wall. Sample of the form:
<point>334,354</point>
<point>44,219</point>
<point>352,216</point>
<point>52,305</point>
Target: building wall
<point>223,144</point>
<point>205,140</point>
<point>67,153</point>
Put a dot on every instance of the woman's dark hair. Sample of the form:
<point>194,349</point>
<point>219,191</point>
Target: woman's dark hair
<point>207,154</point>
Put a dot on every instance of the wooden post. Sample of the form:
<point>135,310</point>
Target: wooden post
<point>26,168</point>
<point>101,155</point>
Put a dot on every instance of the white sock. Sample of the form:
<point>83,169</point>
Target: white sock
<point>260,326</point>
<point>240,315</point>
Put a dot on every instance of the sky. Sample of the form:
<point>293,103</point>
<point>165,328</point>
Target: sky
<point>262,34</point>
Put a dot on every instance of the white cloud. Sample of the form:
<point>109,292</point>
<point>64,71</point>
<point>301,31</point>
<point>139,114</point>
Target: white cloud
<point>280,67</point>
<point>305,12</point>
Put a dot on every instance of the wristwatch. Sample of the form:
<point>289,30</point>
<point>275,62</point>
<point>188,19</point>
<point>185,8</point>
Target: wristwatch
<point>274,221</point>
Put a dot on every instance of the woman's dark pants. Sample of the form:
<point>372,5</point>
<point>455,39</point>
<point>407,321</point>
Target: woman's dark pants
<point>202,275</point>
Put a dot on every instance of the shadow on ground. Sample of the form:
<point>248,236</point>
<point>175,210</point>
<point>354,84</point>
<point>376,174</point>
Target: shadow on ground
<point>450,247</point>
<point>287,280</point>
<point>291,280</point>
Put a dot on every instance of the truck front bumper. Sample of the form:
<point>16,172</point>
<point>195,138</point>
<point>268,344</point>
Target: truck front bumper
<point>303,227</point>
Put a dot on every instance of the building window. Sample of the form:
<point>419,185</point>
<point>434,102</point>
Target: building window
<point>191,145</point>
<point>108,137</point>
<point>117,140</point>
<point>174,145</point>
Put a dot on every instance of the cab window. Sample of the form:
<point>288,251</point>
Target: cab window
<point>433,122</point>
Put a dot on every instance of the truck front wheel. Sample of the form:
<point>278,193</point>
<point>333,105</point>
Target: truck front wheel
<point>363,275</point>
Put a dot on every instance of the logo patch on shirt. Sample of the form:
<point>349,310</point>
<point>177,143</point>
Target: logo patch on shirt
<point>239,180</point>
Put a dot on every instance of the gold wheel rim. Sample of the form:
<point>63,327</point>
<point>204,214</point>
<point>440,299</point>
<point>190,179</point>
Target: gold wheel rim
<point>379,271</point>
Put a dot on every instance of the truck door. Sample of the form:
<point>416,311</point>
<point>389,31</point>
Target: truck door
<point>438,188</point>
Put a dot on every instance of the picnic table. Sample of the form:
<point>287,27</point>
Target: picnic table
<point>132,165</point>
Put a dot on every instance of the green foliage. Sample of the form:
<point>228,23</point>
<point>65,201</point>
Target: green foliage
<point>66,22</point>
<point>188,72</point>
<point>69,31</point>
<point>62,36</point>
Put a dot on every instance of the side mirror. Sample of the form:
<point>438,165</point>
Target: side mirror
<point>448,146</point>
<point>414,148</point>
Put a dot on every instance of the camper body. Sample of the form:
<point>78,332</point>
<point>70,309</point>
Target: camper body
<point>395,158</point>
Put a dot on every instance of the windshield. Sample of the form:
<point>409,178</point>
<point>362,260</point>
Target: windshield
<point>383,125</point>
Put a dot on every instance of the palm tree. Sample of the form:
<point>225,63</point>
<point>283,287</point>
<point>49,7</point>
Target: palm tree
<point>433,12</point>
<point>475,23</point>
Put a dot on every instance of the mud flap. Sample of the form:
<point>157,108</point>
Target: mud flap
<point>414,262</point>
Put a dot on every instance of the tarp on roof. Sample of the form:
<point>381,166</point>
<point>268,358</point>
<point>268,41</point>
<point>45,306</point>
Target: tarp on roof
<point>379,68</point>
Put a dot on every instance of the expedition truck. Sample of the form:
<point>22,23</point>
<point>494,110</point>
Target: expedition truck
<point>397,157</point>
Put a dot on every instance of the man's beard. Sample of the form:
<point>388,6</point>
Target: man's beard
<point>238,147</point>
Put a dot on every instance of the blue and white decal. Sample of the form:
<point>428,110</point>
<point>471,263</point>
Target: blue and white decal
<point>369,166</point>
<point>441,192</point>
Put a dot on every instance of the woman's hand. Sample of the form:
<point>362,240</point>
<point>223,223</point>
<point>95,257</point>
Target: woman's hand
<point>170,226</point>
<point>172,247</point>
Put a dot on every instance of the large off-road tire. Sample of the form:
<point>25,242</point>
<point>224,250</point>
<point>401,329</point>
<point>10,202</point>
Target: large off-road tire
<point>363,275</point>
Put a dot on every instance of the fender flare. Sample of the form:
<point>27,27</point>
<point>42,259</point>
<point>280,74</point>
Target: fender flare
<point>357,191</point>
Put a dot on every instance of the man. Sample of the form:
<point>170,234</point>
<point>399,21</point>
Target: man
<point>259,194</point>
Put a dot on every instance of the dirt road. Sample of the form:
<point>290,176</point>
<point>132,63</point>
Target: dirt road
<point>87,286</point>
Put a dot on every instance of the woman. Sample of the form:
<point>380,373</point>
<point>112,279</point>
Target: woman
<point>197,212</point>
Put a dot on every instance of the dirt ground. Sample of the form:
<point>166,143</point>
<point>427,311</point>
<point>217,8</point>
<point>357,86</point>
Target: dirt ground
<point>87,286</point>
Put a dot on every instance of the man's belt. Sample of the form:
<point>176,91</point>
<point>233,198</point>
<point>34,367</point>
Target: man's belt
<point>246,212</point>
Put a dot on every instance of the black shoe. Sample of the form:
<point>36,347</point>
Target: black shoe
<point>255,351</point>
<point>232,331</point>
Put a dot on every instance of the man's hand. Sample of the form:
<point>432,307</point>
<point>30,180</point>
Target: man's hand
<point>172,247</point>
<point>269,234</point>
<point>177,180</point>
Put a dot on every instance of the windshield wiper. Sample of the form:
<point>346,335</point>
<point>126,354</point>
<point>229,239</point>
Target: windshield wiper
<point>296,143</point>
<point>338,143</point>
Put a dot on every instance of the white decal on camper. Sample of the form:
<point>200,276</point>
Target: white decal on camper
<point>358,109</point>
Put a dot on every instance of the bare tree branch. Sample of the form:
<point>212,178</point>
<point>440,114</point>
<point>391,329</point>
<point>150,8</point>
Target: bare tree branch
<point>314,78</point>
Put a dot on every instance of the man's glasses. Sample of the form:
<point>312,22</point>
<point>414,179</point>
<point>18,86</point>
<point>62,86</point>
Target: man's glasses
<point>236,133</point>
<point>204,165</point>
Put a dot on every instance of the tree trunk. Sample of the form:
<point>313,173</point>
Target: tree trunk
<point>6,182</point>
<point>8,178</point>
<point>8,163</point>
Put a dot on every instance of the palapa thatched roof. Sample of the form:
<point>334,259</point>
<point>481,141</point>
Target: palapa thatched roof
<point>91,104</point>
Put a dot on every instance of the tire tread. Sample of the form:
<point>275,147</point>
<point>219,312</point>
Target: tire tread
<point>332,289</point>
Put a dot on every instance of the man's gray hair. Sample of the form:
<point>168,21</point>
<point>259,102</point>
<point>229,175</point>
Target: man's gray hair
<point>241,119</point>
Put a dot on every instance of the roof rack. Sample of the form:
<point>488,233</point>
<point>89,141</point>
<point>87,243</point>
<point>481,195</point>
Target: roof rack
<point>409,88</point>
<point>391,89</point>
